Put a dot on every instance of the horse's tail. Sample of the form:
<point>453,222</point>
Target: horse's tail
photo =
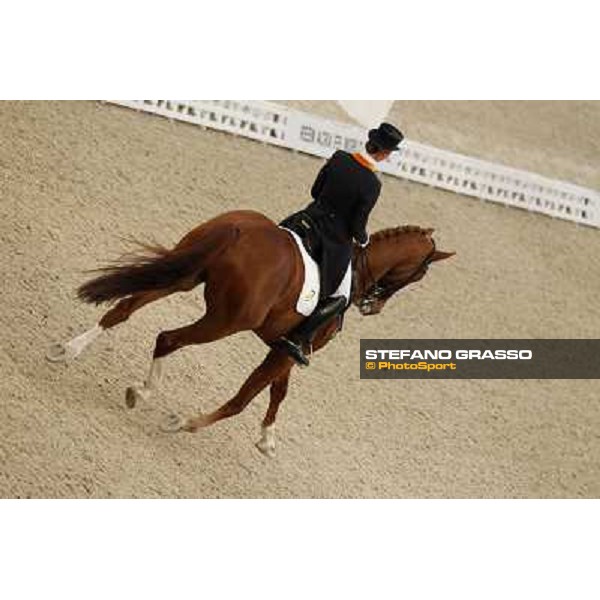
<point>157,268</point>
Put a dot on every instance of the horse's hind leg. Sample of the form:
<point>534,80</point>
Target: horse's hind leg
<point>209,328</point>
<point>118,314</point>
<point>68,351</point>
<point>126,307</point>
<point>279,387</point>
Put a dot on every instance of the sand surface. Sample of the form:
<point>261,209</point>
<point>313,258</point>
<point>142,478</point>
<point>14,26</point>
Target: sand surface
<point>75,176</point>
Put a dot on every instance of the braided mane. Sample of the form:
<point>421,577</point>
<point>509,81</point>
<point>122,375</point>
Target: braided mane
<point>398,231</point>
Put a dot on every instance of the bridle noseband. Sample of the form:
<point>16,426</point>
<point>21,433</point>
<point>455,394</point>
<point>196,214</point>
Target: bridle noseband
<point>378,291</point>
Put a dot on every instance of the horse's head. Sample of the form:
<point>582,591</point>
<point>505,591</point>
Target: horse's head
<point>394,259</point>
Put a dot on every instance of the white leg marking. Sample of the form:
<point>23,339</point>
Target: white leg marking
<point>144,392</point>
<point>73,348</point>
<point>266,444</point>
<point>155,375</point>
<point>78,344</point>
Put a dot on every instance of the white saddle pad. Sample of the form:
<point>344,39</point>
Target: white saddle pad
<point>309,294</point>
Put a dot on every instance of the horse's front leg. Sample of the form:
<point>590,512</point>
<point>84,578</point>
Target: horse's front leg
<point>279,387</point>
<point>270,369</point>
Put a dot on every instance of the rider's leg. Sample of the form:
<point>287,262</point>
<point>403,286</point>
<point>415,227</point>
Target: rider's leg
<point>326,310</point>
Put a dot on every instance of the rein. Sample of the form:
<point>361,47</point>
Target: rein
<point>374,284</point>
<point>377,291</point>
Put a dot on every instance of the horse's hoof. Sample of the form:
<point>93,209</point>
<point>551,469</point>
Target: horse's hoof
<point>266,448</point>
<point>131,397</point>
<point>172,424</point>
<point>59,352</point>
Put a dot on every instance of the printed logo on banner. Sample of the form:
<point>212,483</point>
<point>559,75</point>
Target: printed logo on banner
<point>326,139</point>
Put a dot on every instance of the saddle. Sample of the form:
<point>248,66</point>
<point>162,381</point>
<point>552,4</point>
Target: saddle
<point>304,226</point>
<point>334,270</point>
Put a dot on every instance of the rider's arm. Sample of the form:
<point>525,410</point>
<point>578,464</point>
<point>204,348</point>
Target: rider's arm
<point>319,181</point>
<point>317,187</point>
<point>361,217</point>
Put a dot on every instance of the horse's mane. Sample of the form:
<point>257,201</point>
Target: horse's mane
<point>392,232</point>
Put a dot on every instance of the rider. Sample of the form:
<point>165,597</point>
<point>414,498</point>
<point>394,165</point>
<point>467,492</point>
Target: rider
<point>344,192</point>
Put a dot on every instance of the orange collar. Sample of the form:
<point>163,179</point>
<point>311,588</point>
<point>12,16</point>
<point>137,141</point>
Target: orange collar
<point>359,158</point>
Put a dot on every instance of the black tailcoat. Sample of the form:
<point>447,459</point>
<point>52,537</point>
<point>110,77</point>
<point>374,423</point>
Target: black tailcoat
<point>344,192</point>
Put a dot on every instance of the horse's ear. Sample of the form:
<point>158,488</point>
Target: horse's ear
<point>439,255</point>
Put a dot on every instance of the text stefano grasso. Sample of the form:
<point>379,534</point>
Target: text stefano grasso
<point>499,354</point>
<point>480,359</point>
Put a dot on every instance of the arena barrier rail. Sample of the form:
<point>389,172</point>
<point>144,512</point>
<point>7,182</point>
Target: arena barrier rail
<point>282,126</point>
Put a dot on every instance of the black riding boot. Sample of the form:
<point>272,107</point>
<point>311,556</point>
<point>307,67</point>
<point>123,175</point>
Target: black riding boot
<point>303,334</point>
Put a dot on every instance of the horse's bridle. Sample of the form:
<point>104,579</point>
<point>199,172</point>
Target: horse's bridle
<point>377,291</point>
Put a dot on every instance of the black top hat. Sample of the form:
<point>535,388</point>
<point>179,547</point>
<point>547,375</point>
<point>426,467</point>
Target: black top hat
<point>386,136</point>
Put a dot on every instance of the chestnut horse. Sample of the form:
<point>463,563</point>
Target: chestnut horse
<point>253,274</point>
